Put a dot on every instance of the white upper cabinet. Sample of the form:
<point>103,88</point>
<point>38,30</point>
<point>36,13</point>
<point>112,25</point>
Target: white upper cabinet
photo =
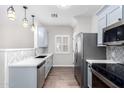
<point>101,25</point>
<point>107,16</point>
<point>114,14</point>
<point>40,37</point>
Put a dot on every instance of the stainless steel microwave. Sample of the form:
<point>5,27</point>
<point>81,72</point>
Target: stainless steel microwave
<point>114,34</point>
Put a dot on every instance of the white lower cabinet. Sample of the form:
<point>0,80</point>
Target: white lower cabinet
<point>40,76</point>
<point>30,76</point>
<point>48,65</point>
<point>22,77</point>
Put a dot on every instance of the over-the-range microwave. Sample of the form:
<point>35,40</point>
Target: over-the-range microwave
<point>114,34</point>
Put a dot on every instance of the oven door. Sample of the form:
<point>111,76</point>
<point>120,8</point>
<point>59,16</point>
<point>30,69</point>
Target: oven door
<point>97,80</point>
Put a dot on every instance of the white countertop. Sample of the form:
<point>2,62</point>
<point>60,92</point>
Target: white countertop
<point>101,61</point>
<point>29,62</point>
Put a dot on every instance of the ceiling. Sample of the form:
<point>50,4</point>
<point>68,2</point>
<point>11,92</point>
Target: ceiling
<point>43,13</point>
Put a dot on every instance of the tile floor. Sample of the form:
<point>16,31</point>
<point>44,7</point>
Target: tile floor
<point>61,77</point>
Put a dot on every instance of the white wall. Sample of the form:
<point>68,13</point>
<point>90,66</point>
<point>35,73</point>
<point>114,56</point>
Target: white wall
<point>60,59</point>
<point>2,60</point>
<point>94,24</point>
<point>14,35</point>
<point>83,24</point>
<point>86,24</point>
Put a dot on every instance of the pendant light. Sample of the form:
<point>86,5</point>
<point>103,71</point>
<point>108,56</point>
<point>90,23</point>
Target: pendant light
<point>25,20</point>
<point>33,26</point>
<point>11,13</point>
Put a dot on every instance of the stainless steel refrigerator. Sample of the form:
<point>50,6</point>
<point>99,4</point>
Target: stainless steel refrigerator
<point>86,48</point>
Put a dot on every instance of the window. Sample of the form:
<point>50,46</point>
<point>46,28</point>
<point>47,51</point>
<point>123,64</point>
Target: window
<point>62,43</point>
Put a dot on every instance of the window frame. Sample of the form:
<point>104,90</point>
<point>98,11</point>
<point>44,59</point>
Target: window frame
<point>68,44</point>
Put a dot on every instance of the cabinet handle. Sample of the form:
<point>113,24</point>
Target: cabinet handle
<point>119,19</point>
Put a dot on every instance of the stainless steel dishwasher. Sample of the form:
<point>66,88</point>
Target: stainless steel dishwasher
<point>40,75</point>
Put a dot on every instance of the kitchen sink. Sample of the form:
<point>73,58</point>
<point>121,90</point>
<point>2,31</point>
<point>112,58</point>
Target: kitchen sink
<point>41,56</point>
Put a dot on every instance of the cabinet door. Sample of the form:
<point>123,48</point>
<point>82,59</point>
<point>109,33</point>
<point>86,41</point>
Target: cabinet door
<point>114,14</point>
<point>41,76</point>
<point>46,67</point>
<point>101,25</point>
<point>50,63</point>
<point>42,40</point>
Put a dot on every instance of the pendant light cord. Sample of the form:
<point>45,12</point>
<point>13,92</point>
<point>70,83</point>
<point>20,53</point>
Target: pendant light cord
<point>25,13</point>
<point>33,19</point>
<point>25,10</point>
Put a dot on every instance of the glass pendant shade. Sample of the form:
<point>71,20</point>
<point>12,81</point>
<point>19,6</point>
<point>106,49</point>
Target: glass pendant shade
<point>25,20</point>
<point>25,23</point>
<point>33,27</point>
<point>11,13</point>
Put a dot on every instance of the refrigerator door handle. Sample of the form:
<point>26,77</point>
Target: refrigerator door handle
<point>76,54</point>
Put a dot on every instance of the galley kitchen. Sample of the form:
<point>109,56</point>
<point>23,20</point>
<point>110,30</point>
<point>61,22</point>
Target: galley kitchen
<point>51,46</point>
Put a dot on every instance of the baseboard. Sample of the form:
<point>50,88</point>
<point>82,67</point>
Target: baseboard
<point>63,65</point>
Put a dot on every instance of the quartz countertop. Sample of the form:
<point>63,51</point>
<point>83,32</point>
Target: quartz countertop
<point>30,62</point>
<point>101,61</point>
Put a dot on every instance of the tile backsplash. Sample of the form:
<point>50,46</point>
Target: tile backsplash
<point>115,53</point>
<point>40,51</point>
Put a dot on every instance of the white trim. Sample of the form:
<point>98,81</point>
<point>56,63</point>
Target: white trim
<point>6,73</point>
<point>16,49</point>
<point>102,8</point>
<point>36,38</point>
<point>63,65</point>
